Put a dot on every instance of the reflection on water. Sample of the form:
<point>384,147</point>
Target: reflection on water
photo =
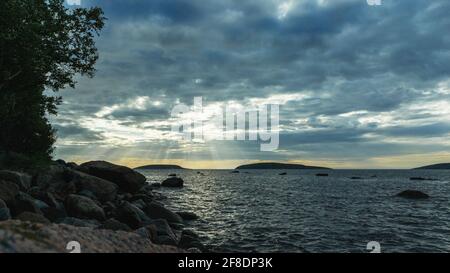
<point>261,211</point>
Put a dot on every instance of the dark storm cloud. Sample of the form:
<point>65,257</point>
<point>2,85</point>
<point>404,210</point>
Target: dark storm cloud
<point>346,55</point>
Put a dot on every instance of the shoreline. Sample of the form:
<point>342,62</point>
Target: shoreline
<point>104,207</point>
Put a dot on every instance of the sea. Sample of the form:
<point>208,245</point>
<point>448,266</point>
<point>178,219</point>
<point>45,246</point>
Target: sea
<point>264,212</point>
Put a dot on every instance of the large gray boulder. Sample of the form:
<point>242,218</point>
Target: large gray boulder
<point>22,180</point>
<point>113,224</point>
<point>173,182</point>
<point>84,208</point>
<point>63,181</point>
<point>131,215</point>
<point>127,179</point>
<point>165,234</point>
<point>156,211</point>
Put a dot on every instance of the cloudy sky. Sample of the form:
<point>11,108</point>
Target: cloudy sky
<point>358,86</point>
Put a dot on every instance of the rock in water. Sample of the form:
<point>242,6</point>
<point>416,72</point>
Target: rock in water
<point>127,179</point>
<point>22,180</point>
<point>411,194</point>
<point>322,174</point>
<point>156,211</point>
<point>173,182</point>
<point>84,208</point>
<point>188,216</point>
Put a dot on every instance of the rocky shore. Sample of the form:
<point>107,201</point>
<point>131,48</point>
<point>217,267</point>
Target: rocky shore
<point>102,206</point>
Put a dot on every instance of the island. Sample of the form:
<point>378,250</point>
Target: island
<point>160,167</point>
<point>279,166</point>
<point>442,166</point>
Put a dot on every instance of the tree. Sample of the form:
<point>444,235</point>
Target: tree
<point>43,45</point>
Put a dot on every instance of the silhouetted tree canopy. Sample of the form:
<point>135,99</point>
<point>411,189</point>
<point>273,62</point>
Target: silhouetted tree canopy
<point>43,45</point>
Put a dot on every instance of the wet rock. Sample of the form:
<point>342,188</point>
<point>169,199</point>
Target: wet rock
<point>173,175</point>
<point>422,179</point>
<point>83,207</point>
<point>22,180</point>
<point>32,218</point>
<point>113,224</point>
<point>173,182</point>
<point>413,194</point>
<point>356,178</point>
<point>156,211</point>
<point>127,179</point>
<point>188,216</point>
<point>282,174</point>
<point>72,221</point>
<point>322,174</point>
<point>131,215</point>
<point>156,185</point>
<point>235,172</point>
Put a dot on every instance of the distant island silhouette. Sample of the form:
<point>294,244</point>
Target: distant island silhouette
<point>160,167</point>
<point>279,166</point>
<point>442,166</point>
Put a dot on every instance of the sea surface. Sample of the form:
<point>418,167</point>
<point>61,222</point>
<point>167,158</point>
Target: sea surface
<point>262,211</point>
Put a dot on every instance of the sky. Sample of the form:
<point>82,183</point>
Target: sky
<point>358,86</point>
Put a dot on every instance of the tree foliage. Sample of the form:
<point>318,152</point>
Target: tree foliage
<point>43,45</point>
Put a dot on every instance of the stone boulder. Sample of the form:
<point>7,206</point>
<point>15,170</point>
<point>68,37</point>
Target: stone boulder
<point>412,194</point>
<point>62,181</point>
<point>173,182</point>
<point>190,239</point>
<point>165,234</point>
<point>26,203</point>
<point>22,180</point>
<point>131,215</point>
<point>83,207</point>
<point>188,216</point>
<point>113,224</point>
<point>127,179</point>
<point>156,211</point>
